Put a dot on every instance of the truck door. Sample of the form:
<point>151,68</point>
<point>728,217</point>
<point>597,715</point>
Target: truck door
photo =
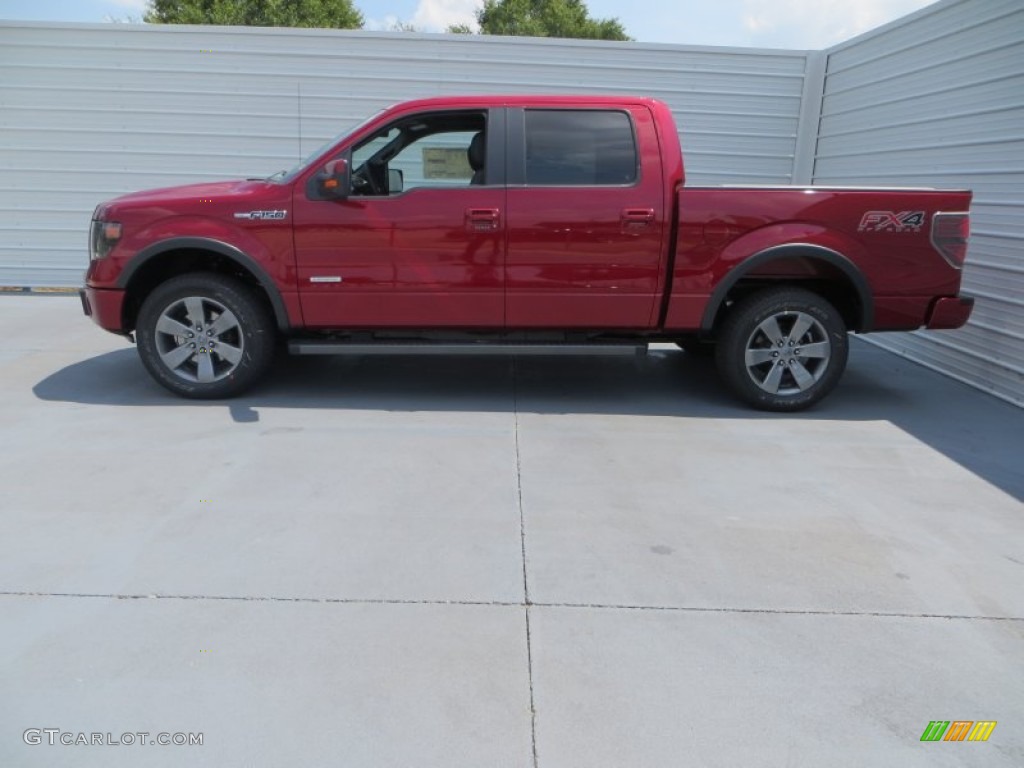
<point>420,242</point>
<point>586,218</point>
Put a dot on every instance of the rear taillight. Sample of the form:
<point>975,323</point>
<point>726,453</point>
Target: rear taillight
<point>950,232</point>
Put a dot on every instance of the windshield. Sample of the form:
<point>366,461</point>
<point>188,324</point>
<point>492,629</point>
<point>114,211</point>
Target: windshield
<point>286,176</point>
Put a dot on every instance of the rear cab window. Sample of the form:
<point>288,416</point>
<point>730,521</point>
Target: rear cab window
<point>579,147</point>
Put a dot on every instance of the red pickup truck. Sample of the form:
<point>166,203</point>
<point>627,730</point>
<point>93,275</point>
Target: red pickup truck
<point>519,224</point>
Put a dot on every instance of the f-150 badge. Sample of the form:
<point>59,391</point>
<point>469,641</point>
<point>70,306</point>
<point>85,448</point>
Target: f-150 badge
<point>262,215</point>
<point>891,221</point>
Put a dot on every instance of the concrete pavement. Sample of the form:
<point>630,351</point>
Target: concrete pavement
<point>501,562</point>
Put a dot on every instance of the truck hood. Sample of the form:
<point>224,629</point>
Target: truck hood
<point>240,191</point>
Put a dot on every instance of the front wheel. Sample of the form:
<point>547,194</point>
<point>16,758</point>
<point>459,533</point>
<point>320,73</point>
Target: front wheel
<point>205,336</point>
<point>782,349</point>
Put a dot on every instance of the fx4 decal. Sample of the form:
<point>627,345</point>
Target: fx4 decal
<point>891,221</point>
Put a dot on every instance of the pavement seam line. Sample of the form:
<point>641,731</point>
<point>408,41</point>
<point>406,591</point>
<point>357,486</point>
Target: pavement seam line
<point>522,547</point>
<point>511,604</point>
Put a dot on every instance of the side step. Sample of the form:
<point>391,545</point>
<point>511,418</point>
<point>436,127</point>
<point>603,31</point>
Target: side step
<point>304,347</point>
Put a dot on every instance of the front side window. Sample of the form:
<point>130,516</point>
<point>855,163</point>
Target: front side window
<point>579,148</point>
<point>433,150</point>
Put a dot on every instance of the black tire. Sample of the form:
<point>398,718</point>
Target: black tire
<point>782,373</point>
<point>223,320</point>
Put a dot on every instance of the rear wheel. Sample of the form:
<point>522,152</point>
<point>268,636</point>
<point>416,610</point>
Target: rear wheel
<point>782,349</point>
<point>205,336</point>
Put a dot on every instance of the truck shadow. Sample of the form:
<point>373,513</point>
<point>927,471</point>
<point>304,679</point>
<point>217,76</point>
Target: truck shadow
<point>979,432</point>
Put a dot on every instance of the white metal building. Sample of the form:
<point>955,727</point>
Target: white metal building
<point>937,99</point>
<point>90,111</point>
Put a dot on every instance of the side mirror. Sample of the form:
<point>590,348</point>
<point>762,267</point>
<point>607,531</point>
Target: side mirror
<point>396,181</point>
<point>333,182</point>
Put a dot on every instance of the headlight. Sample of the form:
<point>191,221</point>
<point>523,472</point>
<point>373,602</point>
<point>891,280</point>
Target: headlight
<point>102,237</point>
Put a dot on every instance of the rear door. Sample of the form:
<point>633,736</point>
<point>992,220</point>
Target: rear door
<point>586,218</point>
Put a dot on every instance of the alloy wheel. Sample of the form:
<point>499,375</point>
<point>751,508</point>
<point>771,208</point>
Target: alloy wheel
<point>787,353</point>
<point>199,339</point>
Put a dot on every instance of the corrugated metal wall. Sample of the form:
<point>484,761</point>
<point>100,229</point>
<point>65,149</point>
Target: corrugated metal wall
<point>938,100</point>
<point>88,112</point>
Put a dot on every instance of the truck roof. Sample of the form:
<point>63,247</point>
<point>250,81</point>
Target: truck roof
<point>525,100</point>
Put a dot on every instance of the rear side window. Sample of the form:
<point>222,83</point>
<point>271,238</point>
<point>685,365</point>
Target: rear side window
<point>579,148</point>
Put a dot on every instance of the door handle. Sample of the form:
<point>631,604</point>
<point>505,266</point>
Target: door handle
<point>483,219</point>
<point>638,215</point>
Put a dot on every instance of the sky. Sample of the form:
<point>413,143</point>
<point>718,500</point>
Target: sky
<point>800,24</point>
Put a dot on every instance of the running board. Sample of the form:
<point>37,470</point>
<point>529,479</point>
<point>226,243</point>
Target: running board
<point>300,347</point>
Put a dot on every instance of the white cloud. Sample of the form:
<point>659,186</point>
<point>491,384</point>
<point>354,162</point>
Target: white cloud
<point>819,23</point>
<point>438,15</point>
<point>136,9</point>
<point>386,24</point>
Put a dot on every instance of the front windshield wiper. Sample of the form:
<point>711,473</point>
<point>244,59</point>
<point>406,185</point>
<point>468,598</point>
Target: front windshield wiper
<point>278,175</point>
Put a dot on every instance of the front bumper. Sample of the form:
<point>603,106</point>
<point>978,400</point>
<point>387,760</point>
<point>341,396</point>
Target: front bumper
<point>949,312</point>
<point>104,306</point>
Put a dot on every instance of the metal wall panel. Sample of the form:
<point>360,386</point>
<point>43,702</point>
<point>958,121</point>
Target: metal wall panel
<point>88,112</point>
<point>937,99</point>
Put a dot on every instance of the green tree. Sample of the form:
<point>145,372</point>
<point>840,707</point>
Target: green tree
<point>338,14</point>
<point>544,18</point>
